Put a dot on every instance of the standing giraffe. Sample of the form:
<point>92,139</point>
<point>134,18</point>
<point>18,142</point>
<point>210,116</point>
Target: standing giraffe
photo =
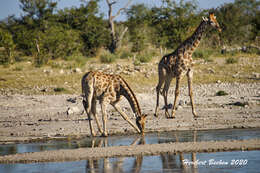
<point>178,63</point>
<point>109,89</point>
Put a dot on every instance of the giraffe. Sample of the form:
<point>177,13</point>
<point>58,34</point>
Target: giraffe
<point>109,89</point>
<point>179,63</point>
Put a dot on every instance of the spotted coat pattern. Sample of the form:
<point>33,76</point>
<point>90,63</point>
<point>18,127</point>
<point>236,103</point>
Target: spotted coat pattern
<point>179,63</point>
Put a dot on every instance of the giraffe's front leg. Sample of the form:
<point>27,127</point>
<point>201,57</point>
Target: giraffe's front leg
<point>177,92</point>
<point>126,118</point>
<point>189,77</point>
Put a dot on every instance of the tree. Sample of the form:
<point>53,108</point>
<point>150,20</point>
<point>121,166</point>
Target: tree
<point>237,21</point>
<point>138,26</point>
<point>115,38</point>
<point>173,22</point>
<point>6,42</point>
<point>38,9</point>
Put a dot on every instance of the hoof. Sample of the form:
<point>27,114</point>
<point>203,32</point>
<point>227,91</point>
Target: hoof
<point>104,135</point>
<point>170,117</point>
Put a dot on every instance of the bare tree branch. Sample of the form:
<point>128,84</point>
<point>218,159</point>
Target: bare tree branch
<point>118,12</point>
<point>110,4</point>
<point>115,39</point>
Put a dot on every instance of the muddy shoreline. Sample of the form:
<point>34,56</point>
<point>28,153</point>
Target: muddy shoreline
<point>132,150</point>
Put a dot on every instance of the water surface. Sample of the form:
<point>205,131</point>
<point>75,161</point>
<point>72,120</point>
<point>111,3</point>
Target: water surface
<point>150,138</point>
<point>161,163</point>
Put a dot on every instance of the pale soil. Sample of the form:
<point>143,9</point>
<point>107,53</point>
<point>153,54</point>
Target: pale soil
<point>37,117</point>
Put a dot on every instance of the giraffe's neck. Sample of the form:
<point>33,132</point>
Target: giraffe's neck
<point>127,92</point>
<point>193,42</point>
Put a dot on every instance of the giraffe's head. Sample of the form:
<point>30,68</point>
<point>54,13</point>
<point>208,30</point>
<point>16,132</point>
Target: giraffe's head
<point>140,122</point>
<point>212,21</point>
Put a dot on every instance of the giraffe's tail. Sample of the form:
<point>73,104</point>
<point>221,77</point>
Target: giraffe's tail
<point>85,85</point>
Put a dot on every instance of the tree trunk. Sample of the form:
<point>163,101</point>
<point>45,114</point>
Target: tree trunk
<point>115,40</point>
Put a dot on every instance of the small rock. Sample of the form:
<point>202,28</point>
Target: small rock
<point>256,75</point>
<point>61,71</point>
<point>77,70</point>
<point>211,71</point>
<point>47,71</point>
<point>73,110</point>
<point>72,100</point>
<point>181,103</point>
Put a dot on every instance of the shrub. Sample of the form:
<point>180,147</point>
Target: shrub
<point>221,93</point>
<point>125,55</point>
<point>144,58</point>
<point>203,54</point>
<point>59,89</point>
<point>231,60</point>
<point>18,68</point>
<point>108,57</point>
<point>7,44</point>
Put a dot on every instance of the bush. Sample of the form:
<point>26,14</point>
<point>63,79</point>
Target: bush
<point>231,60</point>
<point>7,45</point>
<point>221,93</point>
<point>203,54</point>
<point>126,55</point>
<point>144,58</point>
<point>108,57</point>
<point>59,89</point>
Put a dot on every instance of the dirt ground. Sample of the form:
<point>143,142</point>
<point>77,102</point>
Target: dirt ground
<point>41,117</point>
<point>24,117</point>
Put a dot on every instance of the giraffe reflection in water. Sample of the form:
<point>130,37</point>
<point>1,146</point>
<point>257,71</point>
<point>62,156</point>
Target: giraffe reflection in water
<point>113,165</point>
<point>170,162</point>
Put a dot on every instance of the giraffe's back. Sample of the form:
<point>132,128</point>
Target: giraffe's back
<point>105,86</point>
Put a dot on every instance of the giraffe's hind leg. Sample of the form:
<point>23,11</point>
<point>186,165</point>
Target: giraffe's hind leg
<point>87,109</point>
<point>161,80</point>
<point>189,77</point>
<point>94,112</point>
<point>87,103</point>
<point>165,95</point>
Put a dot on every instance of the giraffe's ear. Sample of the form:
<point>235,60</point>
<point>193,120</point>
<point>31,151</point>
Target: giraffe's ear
<point>205,19</point>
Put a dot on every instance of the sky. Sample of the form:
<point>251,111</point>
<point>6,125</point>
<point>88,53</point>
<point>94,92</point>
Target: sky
<point>10,7</point>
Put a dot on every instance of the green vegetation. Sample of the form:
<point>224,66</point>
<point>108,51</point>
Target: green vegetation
<point>203,54</point>
<point>45,33</point>
<point>221,93</point>
<point>59,89</point>
<point>108,57</point>
<point>231,60</point>
<point>80,37</point>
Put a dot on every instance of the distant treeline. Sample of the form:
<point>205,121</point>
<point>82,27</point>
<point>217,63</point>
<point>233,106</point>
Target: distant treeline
<point>44,32</point>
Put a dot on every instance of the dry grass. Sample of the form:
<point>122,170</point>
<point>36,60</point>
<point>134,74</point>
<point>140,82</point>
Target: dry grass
<point>24,78</point>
